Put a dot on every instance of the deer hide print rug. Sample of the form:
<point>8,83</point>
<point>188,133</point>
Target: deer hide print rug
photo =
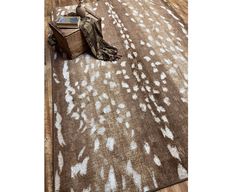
<point>122,125</point>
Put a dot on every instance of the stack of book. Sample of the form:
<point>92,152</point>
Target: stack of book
<point>68,22</point>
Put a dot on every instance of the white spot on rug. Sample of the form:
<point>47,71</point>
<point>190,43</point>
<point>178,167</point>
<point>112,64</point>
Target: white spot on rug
<point>152,52</point>
<point>69,90</point>
<point>133,145</point>
<point>135,175</point>
<point>136,88</point>
<point>146,189</point>
<point>147,58</point>
<point>60,162</point>
<point>107,109</point>
<point>127,125</point>
<point>167,133</point>
<point>96,145</point>
<point>87,189</point>
<point>57,182</point>
<point>134,96</point>
<point>182,172</point>
<point>125,85</point>
<point>80,168</point>
<point>119,119</point>
<point>123,183</point>
<point>121,105</point>
<point>110,143</point>
<point>157,160</point>
<point>101,131</point>
<point>167,100</point>
<point>174,152</point>
<point>154,180</point>
<point>111,184</point>
<point>146,147</point>
<point>143,107</point>
<point>81,152</point>
<point>58,126</point>
<point>75,115</point>
<point>163,75</point>
<point>128,114</point>
<point>97,105</point>
<point>102,173</point>
<point>142,42</point>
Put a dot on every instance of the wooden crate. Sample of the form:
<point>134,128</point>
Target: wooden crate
<point>72,41</point>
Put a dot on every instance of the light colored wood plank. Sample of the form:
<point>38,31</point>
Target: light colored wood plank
<point>48,115</point>
<point>181,187</point>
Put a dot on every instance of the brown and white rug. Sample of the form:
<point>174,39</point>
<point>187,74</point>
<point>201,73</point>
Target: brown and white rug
<point>122,126</point>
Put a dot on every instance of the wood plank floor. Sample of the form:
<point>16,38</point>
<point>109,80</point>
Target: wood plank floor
<point>181,9</point>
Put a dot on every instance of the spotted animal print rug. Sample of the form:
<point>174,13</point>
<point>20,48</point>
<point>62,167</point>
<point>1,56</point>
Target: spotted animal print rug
<point>122,126</point>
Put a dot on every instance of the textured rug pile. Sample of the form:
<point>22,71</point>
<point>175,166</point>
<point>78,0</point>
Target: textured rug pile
<point>122,126</point>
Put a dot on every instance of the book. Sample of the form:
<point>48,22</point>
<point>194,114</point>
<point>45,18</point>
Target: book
<point>67,27</point>
<point>68,22</point>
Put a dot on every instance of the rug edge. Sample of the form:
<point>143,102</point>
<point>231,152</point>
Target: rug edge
<point>159,188</point>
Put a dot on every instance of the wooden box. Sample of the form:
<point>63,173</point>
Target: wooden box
<point>72,41</point>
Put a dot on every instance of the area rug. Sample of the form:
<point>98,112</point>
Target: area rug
<point>122,125</point>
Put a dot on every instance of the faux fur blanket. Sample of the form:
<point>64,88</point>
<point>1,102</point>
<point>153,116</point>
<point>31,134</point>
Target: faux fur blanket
<point>92,32</point>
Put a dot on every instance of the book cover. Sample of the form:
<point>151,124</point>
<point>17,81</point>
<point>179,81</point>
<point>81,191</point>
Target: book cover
<point>66,20</point>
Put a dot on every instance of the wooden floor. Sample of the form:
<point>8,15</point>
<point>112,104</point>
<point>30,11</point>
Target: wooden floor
<point>180,8</point>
